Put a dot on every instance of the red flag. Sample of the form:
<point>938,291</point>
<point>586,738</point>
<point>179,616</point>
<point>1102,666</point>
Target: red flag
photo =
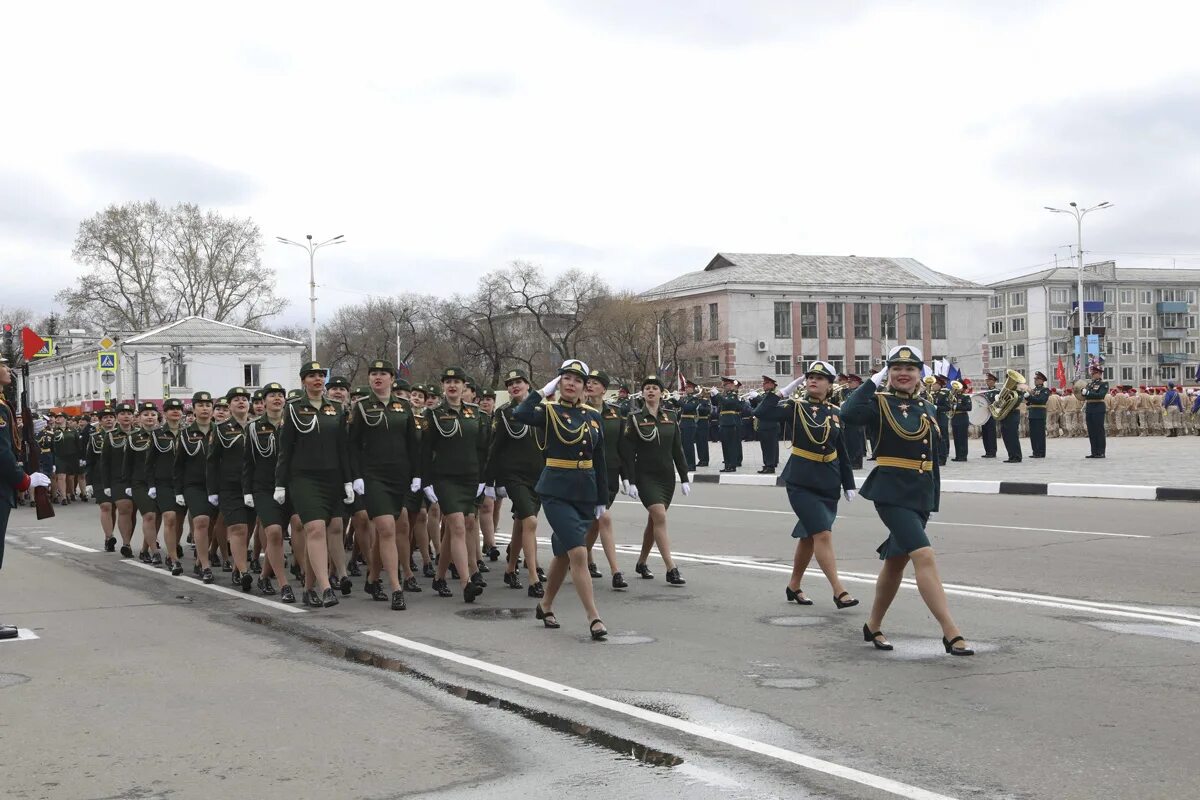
<point>31,343</point>
<point>682,381</point>
<point>1060,374</point>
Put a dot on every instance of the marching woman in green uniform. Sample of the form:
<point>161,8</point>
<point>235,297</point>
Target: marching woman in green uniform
<point>190,479</point>
<point>515,463</point>
<point>160,472</point>
<point>226,456</point>
<point>611,420</point>
<point>313,471</point>
<point>415,502</point>
<point>453,457</point>
<point>138,464</point>
<point>383,451</point>
<point>96,482</point>
<point>573,486</point>
<point>905,487</point>
<point>816,474</point>
<point>115,474</point>
<point>338,391</point>
<point>651,449</point>
<point>261,453</point>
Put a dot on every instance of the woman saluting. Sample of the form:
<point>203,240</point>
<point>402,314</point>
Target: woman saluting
<point>905,486</point>
<point>816,473</point>
<point>572,487</point>
<point>313,471</point>
<point>651,452</point>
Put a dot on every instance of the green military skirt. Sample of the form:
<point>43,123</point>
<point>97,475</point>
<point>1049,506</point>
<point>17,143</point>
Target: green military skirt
<point>814,512</point>
<point>413,501</point>
<point>196,499</point>
<point>233,506</point>
<point>614,486</point>
<point>656,489</point>
<point>144,503</point>
<point>525,501</point>
<point>271,513</point>
<point>118,492</point>
<point>385,497</point>
<point>316,496</point>
<point>456,495</point>
<point>569,522</point>
<point>165,499</point>
<point>906,530</point>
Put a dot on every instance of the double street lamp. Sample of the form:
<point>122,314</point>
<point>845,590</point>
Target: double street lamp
<point>311,249</point>
<point>1079,214</point>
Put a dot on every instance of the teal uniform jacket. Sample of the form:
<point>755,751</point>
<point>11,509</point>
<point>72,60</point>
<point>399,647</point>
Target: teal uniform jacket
<point>817,432</point>
<point>612,421</point>
<point>1093,396</point>
<point>731,408</point>
<point>689,412</point>
<point>766,425</point>
<point>112,463</point>
<point>1036,401</point>
<point>906,428</point>
<point>574,434</point>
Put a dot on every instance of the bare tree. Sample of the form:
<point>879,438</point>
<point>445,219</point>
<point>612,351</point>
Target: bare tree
<point>560,309</point>
<point>485,322</point>
<point>364,332</point>
<point>621,339</point>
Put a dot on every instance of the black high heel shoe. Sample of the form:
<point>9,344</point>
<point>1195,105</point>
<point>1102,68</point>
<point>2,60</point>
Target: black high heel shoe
<point>837,601</point>
<point>795,596</point>
<point>548,619</point>
<point>956,651</point>
<point>597,635</point>
<point>873,638</point>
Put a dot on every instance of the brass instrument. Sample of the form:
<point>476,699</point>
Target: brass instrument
<point>1009,395</point>
<point>956,390</point>
<point>929,392</point>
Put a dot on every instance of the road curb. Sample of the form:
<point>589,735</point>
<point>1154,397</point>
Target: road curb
<point>1098,490</point>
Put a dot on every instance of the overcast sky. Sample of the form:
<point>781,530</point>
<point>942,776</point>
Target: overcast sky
<point>632,137</point>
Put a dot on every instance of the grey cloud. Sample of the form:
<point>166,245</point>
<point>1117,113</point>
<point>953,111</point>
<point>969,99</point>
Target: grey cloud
<point>31,209</point>
<point>167,177</point>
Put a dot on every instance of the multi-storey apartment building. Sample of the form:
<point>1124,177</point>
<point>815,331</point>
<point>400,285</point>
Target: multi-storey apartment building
<point>747,315</point>
<point>1146,320</point>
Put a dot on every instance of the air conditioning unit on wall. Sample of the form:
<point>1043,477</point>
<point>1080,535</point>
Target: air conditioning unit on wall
<point>762,345</point>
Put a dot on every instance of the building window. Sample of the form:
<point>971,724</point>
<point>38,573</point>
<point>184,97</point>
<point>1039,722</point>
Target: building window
<point>713,321</point>
<point>1093,293</point>
<point>250,375</point>
<point>783,365</point>
<point>1018,351</point>
<point>1108,373</point>
<point>1017,324</point>
<point>838,364</point>
<point>1191,321</point>
<point>1173,320</point>
<point>887,320</point>
<point>1146,347</point>
<point>178,373</point>
<point>1191,296</point>
<point>833,320</point>
<point>997,327</point>
<point>697,324</point>
<point>1127,322</point>
<point>1016,298</point>
<point>1058,322</point>
<point>783,321</point>
<point>714,366</point>
<point>862,320</point>
<point>1108,347</point>
<point>998,352</point>
<point>1168,373</point>
<point>1126,348</point>
<point>1126,373</point>
<point>1147,298</point>
<point>995,302</point>
<point>862,365</point>
<point>1146,322</point>
<point>937,321</point>
<point>1110,297</point>
<point>1127,300</point>
<point>808,320</point>
<point>1170,296</point>
<point>1147,373</point>
<point>1058,297</point>
<point>1059,348</point>
<point>912,322</point>
<point>807,359</point>
<point>1190,346</point>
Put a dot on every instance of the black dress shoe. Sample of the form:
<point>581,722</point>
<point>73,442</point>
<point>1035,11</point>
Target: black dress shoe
<point>377,591</point>
<point>352,569</point>
<point>179,551</point>
<point>595,573</point>
<point>206,575</point>
<point>256,566</point>
<point>264,586</point>
<point>478,580</point>
<point>794,596</point>
<point>618,581</point>
<point>156,558</point>
<point>286,595</point>
<point>513,580</point>
<point>987,455</point>
<point>875,639</point>
<point>312,598</point>
<point>1012,461</point>
<point>427,571</point>
<point>674,578</point>
<point>958,459</point>
<point>644,571</point>
<point>767,471</point>
<point>345,585</point>
<point>126,551</point>
<point>493,553</point>
<point>541,573</point>
<point>398,603</point>
<point>110,545</point>
<point>144,556</point>
<point>8,632</point>
<point>439,586</point>
<point>956,651</point>
<point>247,581</point>
<point>482,567</point>
<point>328,598</point>
<point>226,565</point>
<point>840,603</point>
<point>471,591</point>
<point>196,568</point>
<point>176,568</point>
<point>369,587</point>
<point>411,585</point>
<point>535,590</point>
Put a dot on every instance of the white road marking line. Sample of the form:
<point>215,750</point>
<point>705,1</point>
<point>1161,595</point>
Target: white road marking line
<point>72,545</point>
<point>977,592</point>
<point>700,731</point>
<point>213,587</point>
<point>931,522</point>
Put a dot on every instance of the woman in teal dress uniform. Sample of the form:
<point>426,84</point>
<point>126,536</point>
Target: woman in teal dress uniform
<point>905,487</point>
<point>817,474</point>
<point>651,452</point>
<point>573,486</point>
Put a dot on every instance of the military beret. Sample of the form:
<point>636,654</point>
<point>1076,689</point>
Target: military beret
<point>312,366</point>
<point>338,382</point>
<point>380,365</point>
<point>173,404</point>
<point>201,397</point>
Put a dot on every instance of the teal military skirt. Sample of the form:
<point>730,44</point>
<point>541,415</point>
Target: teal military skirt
<point>525,501</point>
<point>656,489</point>
<point>271,513</point>
<point>569,522</point>
<point>316,496</point>
<point>814,511</point>
<point>386,496</point>
<point>906,530</point>
<point>456,495</point>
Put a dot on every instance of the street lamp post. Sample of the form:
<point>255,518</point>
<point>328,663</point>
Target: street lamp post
<point>1079,214</point>
<point>312,249</point>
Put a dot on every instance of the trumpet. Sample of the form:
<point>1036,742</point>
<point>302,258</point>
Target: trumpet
<point>1009,395</point>
<point>929,391</point>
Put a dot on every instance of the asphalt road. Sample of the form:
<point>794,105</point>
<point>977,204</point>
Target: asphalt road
<point>1085,614</point>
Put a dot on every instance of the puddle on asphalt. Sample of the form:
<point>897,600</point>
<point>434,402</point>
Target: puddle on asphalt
<point>797,621</point>
<point>629,638</point>
<point>357,655</point>
<point>495,613</point>
<point>927,649</point>
<point>788,683</point>
<point>1145,629</point>
<point>8,679</point>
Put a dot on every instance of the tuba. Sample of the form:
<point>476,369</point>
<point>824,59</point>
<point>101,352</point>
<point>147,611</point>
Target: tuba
<point>1008,396</point>
<point>956,390</point>
<point>929,393</point>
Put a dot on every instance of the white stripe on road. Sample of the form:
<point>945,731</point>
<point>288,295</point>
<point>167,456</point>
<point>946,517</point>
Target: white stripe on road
<point>701,731</point>
<point>213,587</point>
<point>72,545</point>
<point>931,522</point>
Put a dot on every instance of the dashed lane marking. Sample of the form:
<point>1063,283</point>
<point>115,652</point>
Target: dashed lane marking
<point>275,604</point>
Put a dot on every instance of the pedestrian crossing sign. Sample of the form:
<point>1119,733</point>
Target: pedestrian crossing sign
<point>106,362</point>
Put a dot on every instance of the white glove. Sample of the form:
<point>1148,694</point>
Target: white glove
<point>248,500</point>
<point>38,480</point>
<point>415,486</point>
<point>792,387</point>
<point>180,501</point>
<point>348,488</point>
<point>107,492</point>
<point>213,499</point>
<point>54,469</point>
<point>429,493</point>
<point>83,462</point>
<point>89,492</point>
<point>479,489</point>
<point>489,491</point>
<point>153,492</point>
<point>753,394</point>
<point>624,486</point>
<point>551,386</point>
<point>280,495</point>
<point>600,511</point>
<point>880,378</point>
<point>358,486</point>
<point>686,488</point>
<point>501,492</point>
<point>850,494</point>
<point>633,492</point>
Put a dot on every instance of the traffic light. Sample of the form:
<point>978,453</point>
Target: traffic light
<point>8,337</point>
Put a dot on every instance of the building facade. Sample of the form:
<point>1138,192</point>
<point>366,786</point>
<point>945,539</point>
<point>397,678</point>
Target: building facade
<point>1146,320</point>
<point>173,360</point>
<point>747,315</point>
